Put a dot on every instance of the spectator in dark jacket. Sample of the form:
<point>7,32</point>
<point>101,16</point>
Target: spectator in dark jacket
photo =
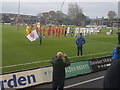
<point>112,77</point>
<point>59,70</point>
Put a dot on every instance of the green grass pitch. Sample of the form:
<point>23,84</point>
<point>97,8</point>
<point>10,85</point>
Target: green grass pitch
<point>17,49</point>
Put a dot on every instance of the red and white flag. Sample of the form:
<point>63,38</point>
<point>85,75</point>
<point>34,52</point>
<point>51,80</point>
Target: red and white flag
<point>33,35</point>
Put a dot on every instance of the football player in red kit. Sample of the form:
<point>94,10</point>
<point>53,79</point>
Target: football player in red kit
<point>58,32</point>
<point>63,31</point>
<point>53,31</point>
<point>44,32</point>
<point>40,30</point>
<point>31,27</point>
<point>57,29</point>
<point>49,31</point>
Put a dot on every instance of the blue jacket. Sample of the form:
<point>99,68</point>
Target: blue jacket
<point>40,37</point>
<point>80,41</point>
<point>115,54</point>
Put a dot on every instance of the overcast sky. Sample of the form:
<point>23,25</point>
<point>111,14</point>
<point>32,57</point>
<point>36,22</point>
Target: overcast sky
<point>92,8</point>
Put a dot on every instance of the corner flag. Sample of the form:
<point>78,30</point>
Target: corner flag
<point>33,35</point>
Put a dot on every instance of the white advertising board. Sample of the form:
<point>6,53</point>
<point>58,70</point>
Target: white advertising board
<point>21,79</point>
<point>26,78</point>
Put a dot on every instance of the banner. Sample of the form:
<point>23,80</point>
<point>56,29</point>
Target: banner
<point>77,68</point>
<point>99,64</point>
<point>33,35</point>
<point>21,79</point>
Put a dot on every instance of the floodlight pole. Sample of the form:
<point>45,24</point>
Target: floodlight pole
<point>18,24</point>
<point>61,10</point>
<point>19,7</point>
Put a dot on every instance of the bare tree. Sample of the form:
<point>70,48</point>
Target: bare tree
<point>75,13</point>
<point>74,10</point>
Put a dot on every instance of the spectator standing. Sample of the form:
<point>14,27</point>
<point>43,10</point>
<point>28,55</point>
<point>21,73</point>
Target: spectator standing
<point>112,76</point>
<point>80,41</point>
<point>59,70</point>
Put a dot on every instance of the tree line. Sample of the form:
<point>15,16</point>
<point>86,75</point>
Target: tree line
<point>74,16</point>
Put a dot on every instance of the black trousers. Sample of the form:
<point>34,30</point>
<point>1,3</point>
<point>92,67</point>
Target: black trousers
<point>58,84</point>
<point>79,49</point>
<point>40,42</point>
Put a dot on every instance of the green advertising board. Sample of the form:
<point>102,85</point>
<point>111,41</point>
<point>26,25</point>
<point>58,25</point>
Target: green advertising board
<point>77,68</point>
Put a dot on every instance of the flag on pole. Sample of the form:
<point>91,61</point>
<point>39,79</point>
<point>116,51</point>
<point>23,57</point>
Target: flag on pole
<point>33,35</point>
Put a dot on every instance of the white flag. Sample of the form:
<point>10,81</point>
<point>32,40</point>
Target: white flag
<point>33,35</point>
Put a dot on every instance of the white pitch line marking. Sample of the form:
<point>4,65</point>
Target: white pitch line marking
<point>47,60</point>
<point>87,81</point>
